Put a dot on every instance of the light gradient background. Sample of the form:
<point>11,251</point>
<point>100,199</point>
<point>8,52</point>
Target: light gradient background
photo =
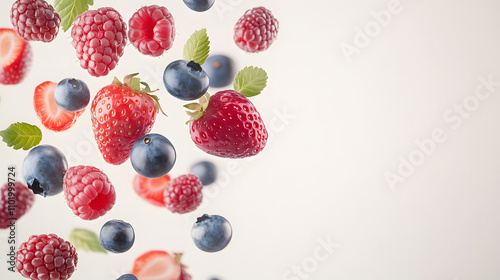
<point>338,124</point>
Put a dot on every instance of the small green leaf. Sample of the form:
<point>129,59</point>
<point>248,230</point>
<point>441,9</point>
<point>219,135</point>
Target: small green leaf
<point>21,135</point>
<point>197,47</point>
<point>250,81</point>
<point>193,106</point>
<point>68,10</point>
<point>85,240</point>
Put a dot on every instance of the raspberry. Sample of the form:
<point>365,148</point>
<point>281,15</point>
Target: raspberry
<point>99,37</point>
<point>35,20</point>
<point>183,195</point>
<point>14,206</point>
<point>256,30</point>
<point>88,192</point>
<point>152,30</point>
<point>45,257</point>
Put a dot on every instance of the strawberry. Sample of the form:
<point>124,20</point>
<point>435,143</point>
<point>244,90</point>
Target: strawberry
<point>121,114</point>
<point>51,115</point>
<point>151,189</point>
<point>15,57</point>
<point>229,127</point>
<point>157,265</point>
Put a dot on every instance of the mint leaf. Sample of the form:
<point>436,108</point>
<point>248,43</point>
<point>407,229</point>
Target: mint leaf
<point>21,135</point>
<point>85,240</point>
<point>197,47</point>
<point>69,9</point>
<point>250,81</point>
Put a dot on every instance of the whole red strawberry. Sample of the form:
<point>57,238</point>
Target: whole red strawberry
<point>15,201</point>
<point>88,192</point>
<point>99,37</point>
<point>256,30</point>
<point>15,57</point>
<point>229,127</point>
<point>35,20</point>
<point>121,114</point>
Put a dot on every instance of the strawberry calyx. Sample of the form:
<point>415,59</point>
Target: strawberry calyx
<point>135,83</point>
<point>197,109</point>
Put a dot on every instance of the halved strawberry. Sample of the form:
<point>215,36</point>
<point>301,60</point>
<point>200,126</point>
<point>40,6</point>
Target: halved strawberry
<point>151,189</point>
<point>157,265</point>
<point>51,115</point>
<point>15,57</point>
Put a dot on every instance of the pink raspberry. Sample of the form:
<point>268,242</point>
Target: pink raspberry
<point>183,195</point>
<point>256,30</point>
<point>99,37</point>
<point>88,192</point>
<point>16,204</point>
<point>152,30</point>
<point>45,257</point>
<point>35,20</point>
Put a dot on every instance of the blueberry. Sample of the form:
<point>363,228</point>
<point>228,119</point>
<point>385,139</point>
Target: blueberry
<point>117,236</point>
<point>127,277</point>
<point>152,155</point>
<point>199,5</point>
<point>185,80</point>
<point>206,171</point>
<point>220,70</point>
<point>211,233</point>
<point>44,168</point>
<point>72,95</point>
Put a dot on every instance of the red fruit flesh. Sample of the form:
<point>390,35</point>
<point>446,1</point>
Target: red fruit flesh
<point>51,115</point>
<point>151,189</point>
<point>231,127</point>
<point>156,265</point>
<point>15,57</point>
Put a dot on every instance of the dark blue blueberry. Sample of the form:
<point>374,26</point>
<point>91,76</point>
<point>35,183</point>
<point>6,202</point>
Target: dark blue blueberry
<point>72,95</point>
<point>117,236</point>
<point>211,233</point>
<point>199,5</point>
<point>44,168</point>
<point>127,277</point>
<point>206,171</point>
<point>220,70</point>
<point>185,80</point>
<point>152,155</point>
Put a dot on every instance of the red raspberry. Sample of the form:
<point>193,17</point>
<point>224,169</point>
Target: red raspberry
<point>17,205</point>
<point>152,30</point>
<point>35,20</point>
<point>183,195</point>
<point>88,192</point>
<point>45,257</point>
<point>256,30</point>
<point>99,37</point>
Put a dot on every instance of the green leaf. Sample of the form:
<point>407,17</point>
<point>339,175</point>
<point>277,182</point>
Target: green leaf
<point>197,47</point>
<point>21,135</point>
<point>250,81</point>
<point>85,240</point>
<point>69,9</point>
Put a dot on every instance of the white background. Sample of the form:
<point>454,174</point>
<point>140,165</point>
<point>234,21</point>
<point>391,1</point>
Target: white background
<point>339,123</point>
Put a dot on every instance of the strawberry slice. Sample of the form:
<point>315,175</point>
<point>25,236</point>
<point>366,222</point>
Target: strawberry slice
<point>157,265</point>
<point>151,189</point>
<point>51,115</point>
<point>15,57</point>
